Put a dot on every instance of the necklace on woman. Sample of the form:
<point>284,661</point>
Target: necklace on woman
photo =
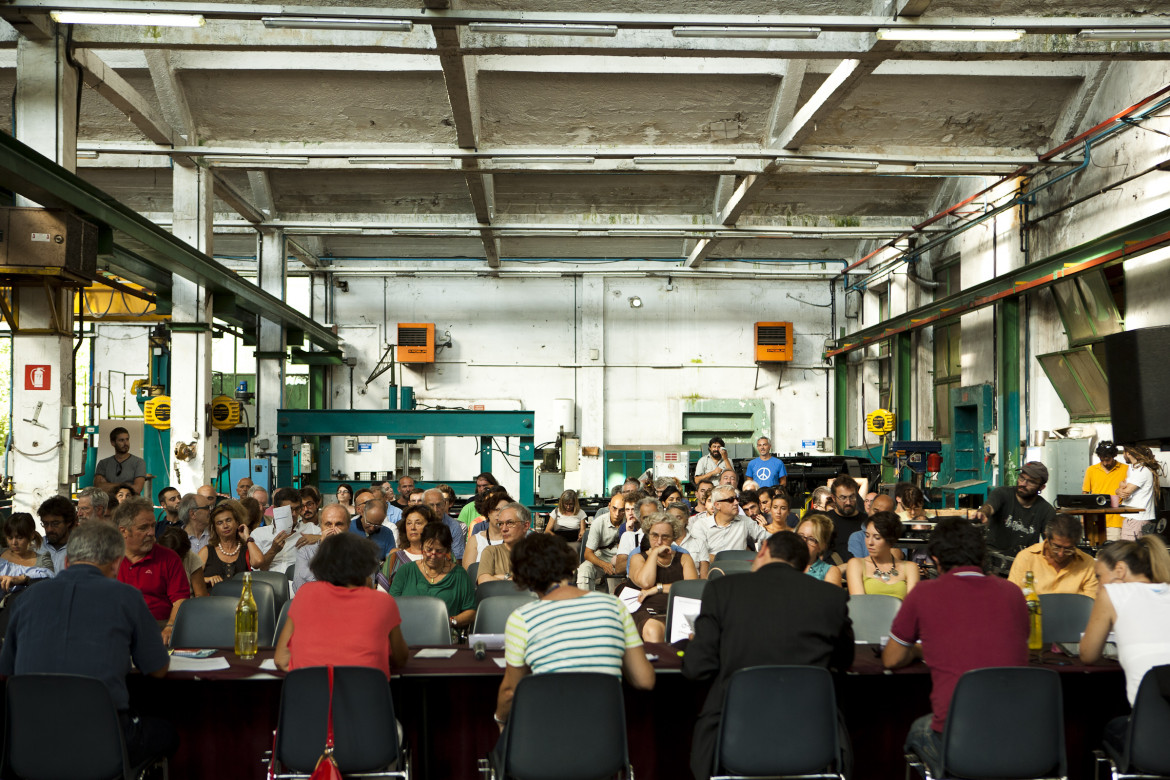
<point>666,565</point>
<point>435,578</point>
<point>224,552</point>
<point>885,576</point>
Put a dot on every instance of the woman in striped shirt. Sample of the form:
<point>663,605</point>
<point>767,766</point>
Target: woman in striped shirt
<point>567,629</point>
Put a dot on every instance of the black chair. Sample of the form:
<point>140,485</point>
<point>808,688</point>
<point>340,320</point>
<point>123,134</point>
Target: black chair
<point>206,623</point>
<point>95,748</point>
<point>491,616</point>
<point>872,615</point>
<point>279,581</point>
<point>683,589</point>
<point>424,620</point>
<point>1146,752</point>
<point>1064,616</point>
<point>1005,723</point>
<point>473,572</point>
<point>731,566</point>
<point>735,555</point>
<point>280,621</point>
<point>498,588</point>
<point>365,731</point>
<point>265,602</point>
<point>591,744</point>
<point>808,748</point>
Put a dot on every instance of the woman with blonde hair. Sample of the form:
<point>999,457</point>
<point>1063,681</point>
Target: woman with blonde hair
<point>1139,490</point>
<point>1134,603</point>
<point>567,520</point>
<point>817,532</point>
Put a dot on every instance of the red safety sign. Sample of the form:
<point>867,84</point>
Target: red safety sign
<point>37,377</point>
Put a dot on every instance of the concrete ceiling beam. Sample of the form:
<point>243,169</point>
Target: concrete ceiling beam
<point>262,192</point>
<point>1076,108</point>
<point>844,79</point>
<point>228,193</point>
<point>171,96</point>
<point>912,8</point>
<point>785,101</point>
<point>118,92</point>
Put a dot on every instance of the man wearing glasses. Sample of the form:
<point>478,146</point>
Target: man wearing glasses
<point>121,467</point>
<point>1015,515</point>
<point>727,528</point>
<point>496,563</point>
<point>1056,564</point>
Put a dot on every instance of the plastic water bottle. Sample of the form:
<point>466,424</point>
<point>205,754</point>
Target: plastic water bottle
<point>247,621</point>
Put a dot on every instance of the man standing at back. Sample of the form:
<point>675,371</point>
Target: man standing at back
<point>121,467</point>
<point>85,622</point>
<point>965,620</point>
<point>765,470</point>
<point>775,615</point>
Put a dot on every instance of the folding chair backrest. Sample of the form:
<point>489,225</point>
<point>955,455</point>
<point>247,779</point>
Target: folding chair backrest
<point>492,614</point>
<point>498,588</point>
<point>683,589</point>
<point>1147,747</point>
<point>590,739</point>
<point>872,615</point>
<point>735,555</point>
<point>206,623</point>
<point>95,749</point>
<point>424,620</point>
<point>1005,723</point>
<point>809,743</point>
<point>278,581</point>
<point>265,602</point>
<point>1064,616</point>
<point>365,732</point>
<point>722,568</point>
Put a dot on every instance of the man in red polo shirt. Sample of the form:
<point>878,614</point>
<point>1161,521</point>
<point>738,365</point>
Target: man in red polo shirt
<point>153,569</point>
<point>965,620</point>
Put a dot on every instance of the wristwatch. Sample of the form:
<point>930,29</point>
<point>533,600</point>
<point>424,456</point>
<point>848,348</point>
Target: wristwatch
<point>660,587</point>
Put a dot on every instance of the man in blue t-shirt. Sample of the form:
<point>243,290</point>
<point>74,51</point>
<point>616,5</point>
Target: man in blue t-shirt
<point>765,470</point>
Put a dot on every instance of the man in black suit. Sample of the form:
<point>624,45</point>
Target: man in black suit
<point>777,614</point>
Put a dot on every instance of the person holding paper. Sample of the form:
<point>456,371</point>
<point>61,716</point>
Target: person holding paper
<point>653,572</point>
<point>279,541</point>
<point>774,615</point>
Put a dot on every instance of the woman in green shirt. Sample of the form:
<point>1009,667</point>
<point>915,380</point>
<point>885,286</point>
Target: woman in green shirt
<point>438,575</point>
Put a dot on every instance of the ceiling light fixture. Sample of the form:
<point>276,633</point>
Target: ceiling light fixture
<point>252,160</point>
<point>697,160</point>
<point>322,231</point>
<point>513,28</point>
<point>635,302</point>
<point>959,169</point>
<point>410,162</point>
<point>336,23</point>
<point>86,154</point>
<point>1126,34</point>
<point>706,31</point>
<point>812,162</point>
<point>550,160</point>
<point>987,34</point>
<point>433,232</point>
<point>120,17</point>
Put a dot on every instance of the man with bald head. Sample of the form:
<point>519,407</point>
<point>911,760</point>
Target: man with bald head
<point>243,486</point>
<point>334,519</point>
<point>435,499</point>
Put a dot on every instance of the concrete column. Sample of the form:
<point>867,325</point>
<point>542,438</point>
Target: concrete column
<point>191,316</point>
<point>270,349</point>
<point>42,383</point>
<point>591,379</point>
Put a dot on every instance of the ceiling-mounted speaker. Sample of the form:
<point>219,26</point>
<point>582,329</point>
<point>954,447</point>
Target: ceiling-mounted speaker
<point>1138,367</point>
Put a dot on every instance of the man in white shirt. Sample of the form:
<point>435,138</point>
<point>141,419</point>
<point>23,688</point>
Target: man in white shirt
<point>601,545</point>
<point>715,462</point>
<point>280,549</point>
<point>727,529</point>
<point>690,543</point>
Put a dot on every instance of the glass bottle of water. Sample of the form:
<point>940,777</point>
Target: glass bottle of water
<point>247,621</point>
<point>1035,619</point>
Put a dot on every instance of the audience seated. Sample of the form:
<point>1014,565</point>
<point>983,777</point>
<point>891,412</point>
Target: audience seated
<point>334,520</point>
<point>437,500</point>
<point>414,519</point>
<point>567,520</point>
<point>486,533</point>
<point>567,629</point>
<point>438,575</point>
<point>880,572</point>
<point>339,620</point>
<point>279,548</point>
<point>1056,564</point>
<point>470,511</point>
<point>229,550</point>
<point>371,522</point>
<point>58,518</point>
<point>688,542</point>
<point>93,503</point>
<point>174,538</point>
<point>23,541</point>
<point>168,499</point>
<point>601,544</point>
<point>727,529</point>
<point>154,570</point>
<point>195,515</point>
<point>1133,604</point>
<point>496,562</point>
<point>631,538</point>
<point>816,530</point>
<point>654,568</point>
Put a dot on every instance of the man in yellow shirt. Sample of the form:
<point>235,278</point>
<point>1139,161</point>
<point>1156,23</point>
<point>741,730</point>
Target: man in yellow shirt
<point>1105,477</point>
<point>1056,564</point>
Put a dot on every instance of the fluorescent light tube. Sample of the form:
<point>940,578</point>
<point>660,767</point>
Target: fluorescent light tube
<point>512,28</point>
<point>696,160</point>
<point>120,17</point>
<point>1126,34</point>
<point>434,162</point>
<point>815,163</point>
<point>336,23</point>
<point>256,159</point>
<point>939,34</point>
<point>704,31</point>
<point>550,160</point>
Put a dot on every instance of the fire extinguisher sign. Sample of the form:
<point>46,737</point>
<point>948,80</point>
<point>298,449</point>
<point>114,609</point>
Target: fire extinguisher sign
<point>37,377</point>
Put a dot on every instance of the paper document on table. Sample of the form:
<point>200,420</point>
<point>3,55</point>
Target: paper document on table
<point>181,664</point>
<point>501,662</point>
<point>629,597</point>
<point>683,613</point>
<point>269,665</point>
<point>282,518</point>
<point>435,652</point>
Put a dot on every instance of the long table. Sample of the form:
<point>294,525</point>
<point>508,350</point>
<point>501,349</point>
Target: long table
<point>226,717</point>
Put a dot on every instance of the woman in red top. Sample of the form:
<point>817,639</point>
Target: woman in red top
<point>339,620</point>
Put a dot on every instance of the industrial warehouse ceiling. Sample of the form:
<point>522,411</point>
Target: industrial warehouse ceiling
<point>631,130</point>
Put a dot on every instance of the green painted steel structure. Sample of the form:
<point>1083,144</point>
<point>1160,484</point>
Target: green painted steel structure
<point>1007,397</point>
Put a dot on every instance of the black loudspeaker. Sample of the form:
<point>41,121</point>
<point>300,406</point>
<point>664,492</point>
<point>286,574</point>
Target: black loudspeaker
<point>1138,366</point>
